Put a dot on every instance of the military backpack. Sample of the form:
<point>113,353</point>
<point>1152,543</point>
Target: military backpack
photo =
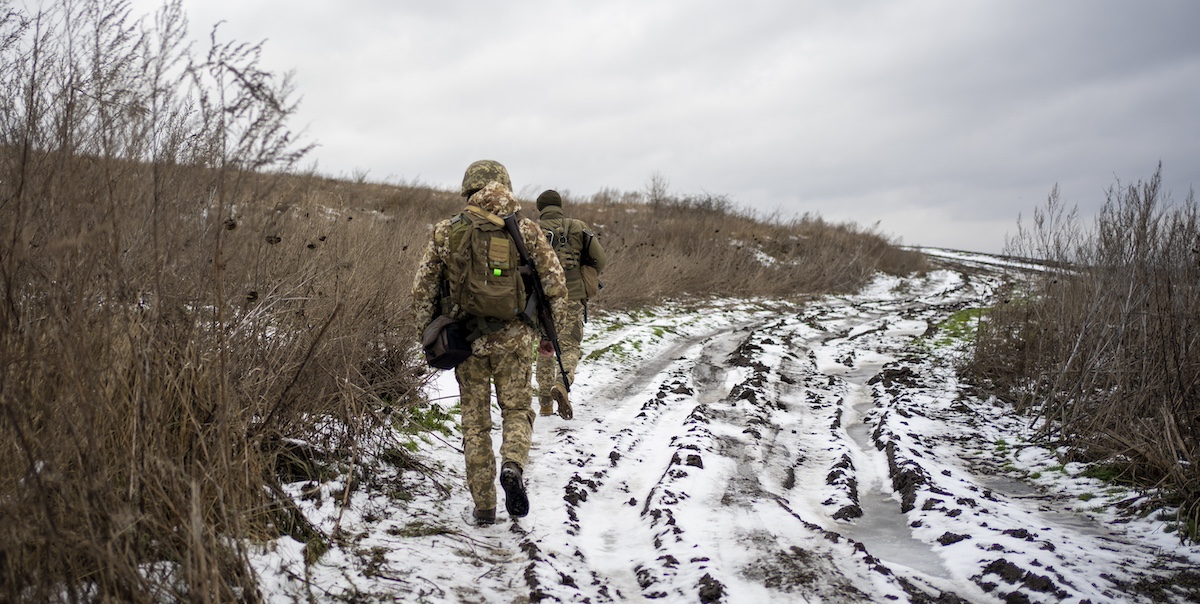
<point>563,235</point>
<point>483,268</point>
<point>571,242</point>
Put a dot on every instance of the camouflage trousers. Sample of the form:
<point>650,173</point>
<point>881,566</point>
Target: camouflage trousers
<point>510,371</point>
<point>547,367</point>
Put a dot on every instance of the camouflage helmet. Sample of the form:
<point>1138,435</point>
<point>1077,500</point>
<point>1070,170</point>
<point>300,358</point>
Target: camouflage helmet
<point>480,173</point>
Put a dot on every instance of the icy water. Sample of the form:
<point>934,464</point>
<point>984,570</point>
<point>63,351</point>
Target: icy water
<point>1047,512</point>
<point>883,529</point>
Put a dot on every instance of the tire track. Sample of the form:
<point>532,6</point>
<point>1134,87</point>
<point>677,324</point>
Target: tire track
<point>620,459</point>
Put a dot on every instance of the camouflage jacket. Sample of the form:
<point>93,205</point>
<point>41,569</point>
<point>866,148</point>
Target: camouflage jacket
<point>497,199</point>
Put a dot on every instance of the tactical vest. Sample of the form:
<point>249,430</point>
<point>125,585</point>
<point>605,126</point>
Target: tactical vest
<point>565,235</point>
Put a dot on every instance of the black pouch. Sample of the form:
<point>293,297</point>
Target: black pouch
<point>445,344</point>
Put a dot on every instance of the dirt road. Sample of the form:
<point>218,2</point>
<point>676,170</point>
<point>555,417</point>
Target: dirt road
<point>741,451</point>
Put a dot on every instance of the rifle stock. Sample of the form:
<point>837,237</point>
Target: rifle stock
<point>541,306</point>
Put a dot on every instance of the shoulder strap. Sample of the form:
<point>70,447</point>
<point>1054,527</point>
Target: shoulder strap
<point>482,213</point>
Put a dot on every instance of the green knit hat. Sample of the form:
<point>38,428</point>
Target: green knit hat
<point>549,197</point>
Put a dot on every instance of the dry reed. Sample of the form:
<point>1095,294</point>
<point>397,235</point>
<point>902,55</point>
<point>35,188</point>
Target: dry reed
<point>1106,349</point>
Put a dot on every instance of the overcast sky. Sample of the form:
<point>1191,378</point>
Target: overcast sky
<point>942,120</point>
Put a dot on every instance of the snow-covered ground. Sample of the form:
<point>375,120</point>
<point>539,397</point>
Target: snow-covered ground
<point>749,451</point>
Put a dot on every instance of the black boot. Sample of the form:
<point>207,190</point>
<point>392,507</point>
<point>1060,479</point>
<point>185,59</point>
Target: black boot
<point>515,499</point>
<point>485,517</point>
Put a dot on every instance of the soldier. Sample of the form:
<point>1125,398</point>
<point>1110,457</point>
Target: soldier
<point>502,349</point>
<point>578,252</point>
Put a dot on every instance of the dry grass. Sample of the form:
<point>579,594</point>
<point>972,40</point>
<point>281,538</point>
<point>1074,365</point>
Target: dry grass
<point>681,247</point>
<point>704,246</point>
<point>183,320</point>
<point>1107,349</point>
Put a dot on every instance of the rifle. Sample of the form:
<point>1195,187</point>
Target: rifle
<point>537,306</point>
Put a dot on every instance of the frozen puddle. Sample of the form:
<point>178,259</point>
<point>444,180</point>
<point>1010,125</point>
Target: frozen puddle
<point>882,528</point>
<point>1047,515</point>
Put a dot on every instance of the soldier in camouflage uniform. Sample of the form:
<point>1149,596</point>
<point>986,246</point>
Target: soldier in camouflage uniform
<point>503,357</point>
<point>568,237</point>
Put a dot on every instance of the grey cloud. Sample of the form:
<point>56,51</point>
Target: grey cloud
<point>935,116</point>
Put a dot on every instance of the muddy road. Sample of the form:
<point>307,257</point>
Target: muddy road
<point>741,451</point>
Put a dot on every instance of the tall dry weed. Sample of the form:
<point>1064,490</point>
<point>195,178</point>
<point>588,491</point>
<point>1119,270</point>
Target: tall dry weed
<point>1106,349</point>
<point>176,314</point>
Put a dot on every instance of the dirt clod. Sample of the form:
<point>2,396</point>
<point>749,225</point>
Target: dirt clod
<point>949,538</point>
<point>711,590</point>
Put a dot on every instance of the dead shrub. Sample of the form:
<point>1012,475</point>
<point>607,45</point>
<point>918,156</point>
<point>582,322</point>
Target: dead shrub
<point>1106,348</point>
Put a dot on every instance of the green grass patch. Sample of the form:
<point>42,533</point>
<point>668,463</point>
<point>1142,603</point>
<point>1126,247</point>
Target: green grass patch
<point>1191,530</point>
<point>601,352</point>
<point>962,326</point>
<point>1188,528</point>
<point>418,422</point>
<point>400,493</point>
<point>428,418</point>
<point>1113,473</point>
<point>660,330</point>
<point>958,328</point>
<point>616,351</point>
<point>314,549</point>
